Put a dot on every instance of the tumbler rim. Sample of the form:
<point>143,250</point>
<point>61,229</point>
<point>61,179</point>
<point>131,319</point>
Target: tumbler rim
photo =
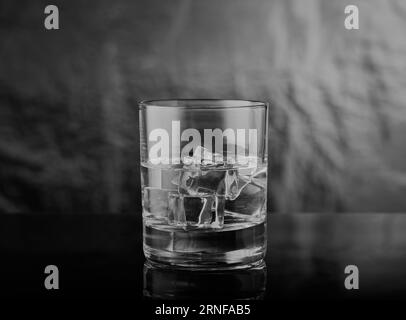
<point>202,104</point>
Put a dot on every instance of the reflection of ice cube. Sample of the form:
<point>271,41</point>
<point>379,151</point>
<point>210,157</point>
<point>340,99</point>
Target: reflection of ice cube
<point>193,211</point>
<point>155,202</point>
<point>250,201</point>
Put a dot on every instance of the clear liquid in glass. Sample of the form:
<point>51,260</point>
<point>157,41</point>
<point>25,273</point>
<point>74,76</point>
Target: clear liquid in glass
<point>209,215</point>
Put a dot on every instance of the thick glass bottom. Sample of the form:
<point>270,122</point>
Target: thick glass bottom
<point>229,248</point>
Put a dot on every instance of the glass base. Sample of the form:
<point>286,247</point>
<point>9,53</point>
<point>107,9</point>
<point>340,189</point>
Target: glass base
<point>168,283</point>
<point>236,246</point>
<point>238,259</point>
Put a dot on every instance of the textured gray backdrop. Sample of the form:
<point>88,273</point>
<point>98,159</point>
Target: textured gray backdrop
<point>68,98</point>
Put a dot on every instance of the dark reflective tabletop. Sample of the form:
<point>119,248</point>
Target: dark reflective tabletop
<point>101,256</point>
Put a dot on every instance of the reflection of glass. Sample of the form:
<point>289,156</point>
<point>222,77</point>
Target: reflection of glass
<point>204,182</point>
<point>168,283</point>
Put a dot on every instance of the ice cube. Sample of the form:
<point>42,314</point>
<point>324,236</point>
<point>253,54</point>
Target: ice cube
<point>188,183</point>
<point>247,165</point>
<point>176,214</point>
<point>207,163</point>
<point>226,183</point>
<point>234,184</point>
<point>160,178</point>
<point>250,201</point>
<point>188,161</point>
<point>246,171</point>
<point>202,183</point>
<point>191,211</point>
<point>259,177</point>
<point>231,182</point>
<point>202,154</point>
<point>218,158</point>
<point>230,161</point>
<point>155,202</point>
<point>159,161</point>
<point>219,207</point>
<point>206,214</point>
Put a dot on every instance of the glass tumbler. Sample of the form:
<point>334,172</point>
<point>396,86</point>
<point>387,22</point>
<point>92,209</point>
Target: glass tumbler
<point>204,182</point>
